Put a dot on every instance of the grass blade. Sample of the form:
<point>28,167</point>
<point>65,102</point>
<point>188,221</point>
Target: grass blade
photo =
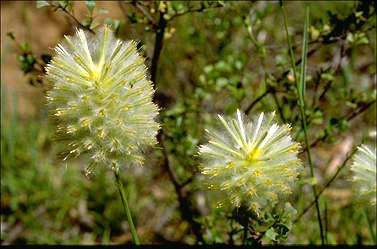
<point>302,85</point>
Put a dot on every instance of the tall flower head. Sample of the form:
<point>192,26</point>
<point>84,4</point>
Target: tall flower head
<point>364,172</point>
<point>102,99</point>
<point>254,161</point>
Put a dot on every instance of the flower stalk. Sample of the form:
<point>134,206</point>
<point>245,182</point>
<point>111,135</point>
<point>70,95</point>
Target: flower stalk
<point>126,208</point>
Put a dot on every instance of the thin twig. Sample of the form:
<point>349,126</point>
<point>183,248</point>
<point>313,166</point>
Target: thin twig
<point>273,89</point>
<point>342,52</point>
<point>278,106</point>
<point>145,12</point>
<point>160,31</point>
<point>348,117</point>
<point>166,164</point>
<point>326,186</point>
<point>78,23</point>
<point>183,197</point>
<point>359,111</point>
<point>252,104</point>
<point>201,9</point>
<point>186,209</point>
<point>188,181</point>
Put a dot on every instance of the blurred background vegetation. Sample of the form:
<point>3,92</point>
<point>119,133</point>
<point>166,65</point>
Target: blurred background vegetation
<point>205,58</point>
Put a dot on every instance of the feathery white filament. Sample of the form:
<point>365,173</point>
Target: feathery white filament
<point>255,165</point>
<point>102,99</point>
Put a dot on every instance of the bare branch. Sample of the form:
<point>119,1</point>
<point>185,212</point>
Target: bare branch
<point>72,17</point>
<point>250,107</point>
<point>348,117</point>
<point>272,89</point>
<point>145,12</point>
<point>326,186</point>
<point>160,31</point>
<point>201,9</point>
<point>185,206</point>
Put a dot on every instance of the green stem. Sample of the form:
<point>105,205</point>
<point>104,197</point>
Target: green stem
<point>372,234</point>
<point>300,91</point>
<point>135,239</point>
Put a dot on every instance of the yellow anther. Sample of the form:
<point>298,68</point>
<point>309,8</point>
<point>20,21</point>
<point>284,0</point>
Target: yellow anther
<point>73,151</point>
<point>101,134</point>
<point>59,113</point>
<point>254,206</point>
<point>290,174</point>
<point>219,205</point>
<point>252,191</point>
<point>71,129</point>
<point>230,165</point>
<point>254,155</point>
<point>102,113</point>
<point>293,148</point>
<point>268,181</point>
<point>85,123</point>
<point>96,72</point>
<point>85,98</point>
<point>257,173</point>
<point>226,186</point>
<point>241,182</point>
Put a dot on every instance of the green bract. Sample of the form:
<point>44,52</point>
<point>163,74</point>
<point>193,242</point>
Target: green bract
<point>102,99</point>
<point>364,170</point>
<point>255,162</point>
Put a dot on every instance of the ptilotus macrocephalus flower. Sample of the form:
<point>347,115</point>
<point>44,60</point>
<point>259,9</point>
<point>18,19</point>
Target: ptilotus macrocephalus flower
<point>254,161</point>
<point>102,99</point>
<point>364,172</point>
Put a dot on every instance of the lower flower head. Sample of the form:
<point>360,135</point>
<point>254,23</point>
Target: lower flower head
<point>255,162</point>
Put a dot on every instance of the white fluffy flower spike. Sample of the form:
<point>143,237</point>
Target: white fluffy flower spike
<point>364,171</point>
<point>255,162</point>
<point>102,99</point>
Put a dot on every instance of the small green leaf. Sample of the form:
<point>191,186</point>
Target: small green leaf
<point>91,4</point>
<point>87,22</point>
<point>64,4</point>
<point>311,181</point>
<point>25,47</point>
<point>108,21</point>
<point>41,4</point>
<point>132,18</point>
<point>11,35</point>
<point>103,11</point>
<point>302,85</point>
<point>271,233</point>
<point>327,76</point>
<point>350,104</point>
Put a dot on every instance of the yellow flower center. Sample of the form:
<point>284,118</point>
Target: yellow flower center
<point>253,156</point>
<point>96,72</point>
